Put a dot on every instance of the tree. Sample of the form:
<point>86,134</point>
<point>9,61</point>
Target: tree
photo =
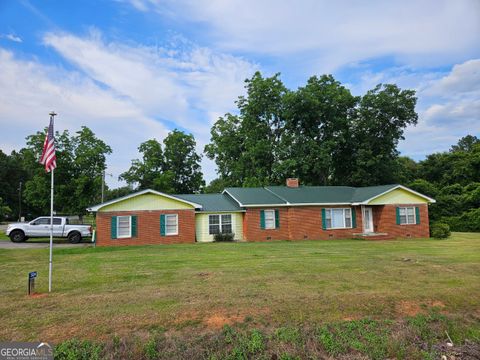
<point>465,144</point>
<point>215,186</point>
<point>320,133</point>
<point>173,169</point>
<point>183,163</point>
<point>80,161</point>
<point>11,174</point>
<point>382,116</point>
<point>406,170</point>
<point>244,146</point>
<point>226,148</point>
<point>317,144</point>
<point>144,172</point>
<point>4,210</point>
<point>118,192</point>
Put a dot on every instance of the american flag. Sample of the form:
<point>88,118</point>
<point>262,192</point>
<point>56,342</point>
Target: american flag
<point>48,157</point>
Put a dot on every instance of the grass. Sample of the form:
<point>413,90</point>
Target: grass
<point>342,295</point>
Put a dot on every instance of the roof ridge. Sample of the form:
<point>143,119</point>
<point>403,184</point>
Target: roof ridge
<point>278,196</point>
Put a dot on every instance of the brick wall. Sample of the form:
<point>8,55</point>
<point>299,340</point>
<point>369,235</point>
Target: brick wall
<point>253,232</point>
<point>385,221</point>
<point>299,223</point>
<point>296,223</point>
<point>306,223</point>
<point>148,228</point>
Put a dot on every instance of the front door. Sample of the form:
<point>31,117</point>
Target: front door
<point>367,220</point>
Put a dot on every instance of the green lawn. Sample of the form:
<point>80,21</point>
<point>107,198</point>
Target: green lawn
<point>102,293</point>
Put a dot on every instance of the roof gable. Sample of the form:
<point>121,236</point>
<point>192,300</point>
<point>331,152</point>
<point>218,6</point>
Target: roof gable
<point>145,200</point>
<point>399,195</point>
<point>213,202</point>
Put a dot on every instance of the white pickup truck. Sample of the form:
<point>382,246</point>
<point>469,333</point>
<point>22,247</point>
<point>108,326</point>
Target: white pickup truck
<point>40,227</point>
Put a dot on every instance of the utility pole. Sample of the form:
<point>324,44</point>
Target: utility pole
<point>20,202</point>
<point>103,185</point>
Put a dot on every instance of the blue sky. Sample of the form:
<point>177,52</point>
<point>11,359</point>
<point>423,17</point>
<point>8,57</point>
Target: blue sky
<point>133,70</point>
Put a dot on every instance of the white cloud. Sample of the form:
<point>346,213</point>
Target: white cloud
<point>125,93</point>
<point>335,33</point>
<point>464,78</point>
<point>12,37</point>
<point>29,91</point>
<point>172,84</point>
<point>449,108</point>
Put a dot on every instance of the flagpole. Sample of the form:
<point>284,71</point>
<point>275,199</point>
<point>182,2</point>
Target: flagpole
<point>51,235</point>
<point>52,118</point>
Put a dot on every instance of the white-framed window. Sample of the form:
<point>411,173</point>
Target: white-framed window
<point>407,215</point>
<point>338,218</point>
<point>171,224</point>
<point>124,227</point>
<point>269,219</point>
<point>219,224</point>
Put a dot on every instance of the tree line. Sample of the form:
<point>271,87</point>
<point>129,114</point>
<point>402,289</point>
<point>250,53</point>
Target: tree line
<point>320,133</point>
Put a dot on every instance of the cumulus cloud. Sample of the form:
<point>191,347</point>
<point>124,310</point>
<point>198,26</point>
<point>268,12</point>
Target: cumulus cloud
<point>29,91</point>
<point>125,93</point>
<point>335,33</point>
<point>464,78</point>
<point>170,84</point>
<point>449,108</point>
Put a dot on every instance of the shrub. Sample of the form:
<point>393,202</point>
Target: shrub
<point>467,221</point>
<point>440,231</point>
<point>224,237</point>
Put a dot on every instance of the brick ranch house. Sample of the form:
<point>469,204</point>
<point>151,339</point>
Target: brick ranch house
<point>289,212</point>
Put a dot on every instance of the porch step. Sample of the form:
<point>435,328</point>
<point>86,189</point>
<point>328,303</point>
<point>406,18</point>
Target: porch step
<point>373,236</point>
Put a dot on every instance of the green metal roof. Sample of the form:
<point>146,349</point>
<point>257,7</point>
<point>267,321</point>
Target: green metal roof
<point>367,192</point>
<point>314,194</point>
<point>235,199</point>
<point>212,202</point>
<point>283,195</point>
<point>254,196</point>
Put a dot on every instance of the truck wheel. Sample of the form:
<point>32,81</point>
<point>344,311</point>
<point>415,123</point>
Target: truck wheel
<point>74,237</point>
<point>17,236</point>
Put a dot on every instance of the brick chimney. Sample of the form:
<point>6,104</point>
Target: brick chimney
<point>292,182</point>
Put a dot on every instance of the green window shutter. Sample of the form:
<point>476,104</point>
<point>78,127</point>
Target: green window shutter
<point>113,227</point>
<point>134,225</point>
<point>262,219</point>
<point>417,214</point>
<point>162,225</point>
<point>277,219</point>
<point>354,218</point>
<point>324,220</point>
<point>398,215</point>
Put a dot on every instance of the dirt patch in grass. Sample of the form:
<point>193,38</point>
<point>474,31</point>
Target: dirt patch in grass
<point>408,308</point>
<point>217,318</point>
<point>37,295</point>
<point>218,321</point>
<point>413,308</point>
<point>438,304</point>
